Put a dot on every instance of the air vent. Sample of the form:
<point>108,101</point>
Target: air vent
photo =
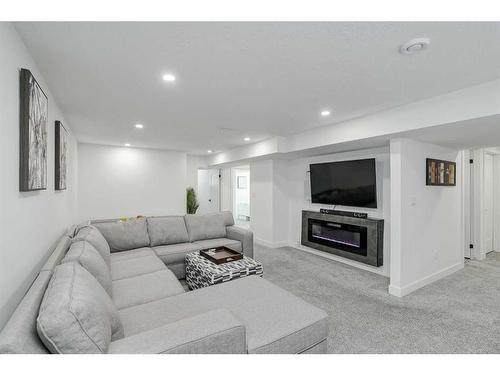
<point>414,46</point>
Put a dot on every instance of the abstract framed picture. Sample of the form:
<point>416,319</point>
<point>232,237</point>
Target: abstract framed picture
<point>61,156</point>
<point>34,112</point>
<point>441,172</point>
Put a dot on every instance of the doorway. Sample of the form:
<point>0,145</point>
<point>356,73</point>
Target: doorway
<point>484,202</point>
<point>240,182</point>
<point>208,191</point>
<point>488,202</point>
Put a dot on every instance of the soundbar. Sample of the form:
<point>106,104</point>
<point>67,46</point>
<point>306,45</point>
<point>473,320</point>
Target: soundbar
<point>360,215</point>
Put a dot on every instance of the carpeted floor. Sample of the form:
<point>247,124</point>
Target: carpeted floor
<point>457,314</point>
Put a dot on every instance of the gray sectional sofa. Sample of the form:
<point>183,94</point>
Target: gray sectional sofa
<point>112,287</point>
<point>172,237</point>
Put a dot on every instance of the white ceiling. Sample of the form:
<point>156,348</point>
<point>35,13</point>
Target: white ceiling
<point>469,134</point>
<point>258,79</point>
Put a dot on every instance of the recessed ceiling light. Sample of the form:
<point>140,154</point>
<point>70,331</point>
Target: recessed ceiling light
<point>168,77</point>
<point>139,126</point>
<point>414,46</point>
<point>246,139</point>
<point>210,151</point>
<point>325,113</point>
<point>127,144</point>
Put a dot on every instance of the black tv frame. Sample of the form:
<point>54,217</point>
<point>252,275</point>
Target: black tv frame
<point>345,161</point>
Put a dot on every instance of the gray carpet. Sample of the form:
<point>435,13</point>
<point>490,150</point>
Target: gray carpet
<point>457,314</point>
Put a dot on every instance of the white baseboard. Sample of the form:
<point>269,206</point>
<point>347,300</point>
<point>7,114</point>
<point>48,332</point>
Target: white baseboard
<point>407,289</point>
<point>383,270</point>
<point>272,245</point>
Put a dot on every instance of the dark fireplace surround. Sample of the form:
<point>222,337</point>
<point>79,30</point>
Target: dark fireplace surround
<point>349,237</point>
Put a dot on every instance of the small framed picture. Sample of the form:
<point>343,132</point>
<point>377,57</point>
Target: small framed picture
<point>241,182</point>
<point>61,156</point>
<point>441,172</point>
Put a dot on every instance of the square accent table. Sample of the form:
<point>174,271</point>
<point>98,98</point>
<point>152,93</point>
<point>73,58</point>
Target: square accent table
<point>201,272</point>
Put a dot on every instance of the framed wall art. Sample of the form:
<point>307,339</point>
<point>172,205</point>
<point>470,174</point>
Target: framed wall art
<point>61,156</point>
<point>34,108</point>
<point>441,172</point>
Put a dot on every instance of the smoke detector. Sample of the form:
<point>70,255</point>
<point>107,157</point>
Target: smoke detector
<point>414,46</point>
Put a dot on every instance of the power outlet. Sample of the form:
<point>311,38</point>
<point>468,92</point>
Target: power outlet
<point>413,201</point>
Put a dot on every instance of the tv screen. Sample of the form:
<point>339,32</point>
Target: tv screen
<point>345,183</point>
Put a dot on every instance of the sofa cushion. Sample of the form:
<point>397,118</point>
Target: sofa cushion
<point>87,256</point>
<point>216,242</point>
<point>131,254</point>
<point>125,235</point>
<point>275,320</point>
<point>215,332</point>
<point>175,253</point>
<point>174,256</point>
<point>122,269</point>
<point>145,288</point>
<point>205,227</point>
<point>92,235</point>
<point>167,230</point>
<point>228,218</point>
<point>76,314</point>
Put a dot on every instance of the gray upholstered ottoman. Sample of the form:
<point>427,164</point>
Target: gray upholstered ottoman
<point>201,272</point>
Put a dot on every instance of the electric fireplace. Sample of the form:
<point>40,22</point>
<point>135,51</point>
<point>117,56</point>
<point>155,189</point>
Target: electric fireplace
<point>359,239</point>
<point>348,237</point>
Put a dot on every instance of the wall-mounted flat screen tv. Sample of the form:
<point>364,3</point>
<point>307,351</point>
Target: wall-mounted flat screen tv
<point>346,183</point>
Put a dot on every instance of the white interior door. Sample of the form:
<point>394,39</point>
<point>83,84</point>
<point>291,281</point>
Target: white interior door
<point>468,202</point>
<point>488,202</point>
<point>208,191</point>
<point>496,202</point>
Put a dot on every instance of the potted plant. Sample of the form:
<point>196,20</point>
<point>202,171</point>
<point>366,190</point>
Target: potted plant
<point>192,202</point>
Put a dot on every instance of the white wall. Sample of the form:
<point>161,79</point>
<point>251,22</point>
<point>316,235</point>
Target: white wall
<point>270,202</point>
<point>30,223</point>
<point>426,232</point>
<point>261,195</point>
<point>193,163</point>
<point>300,198</point>
<point>120,181</point>
<point>281,202</point>
<point>225,190</point>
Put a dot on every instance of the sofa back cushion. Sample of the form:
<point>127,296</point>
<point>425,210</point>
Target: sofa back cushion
<point>125,235</point>
<point>76,314</point>
<point>92,235</point>
<point>205,227</point>
<point>83,253</point>
<point>167,230</point>
<point>228,217</point>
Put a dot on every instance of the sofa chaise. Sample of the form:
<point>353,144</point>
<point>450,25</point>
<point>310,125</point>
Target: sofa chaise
<point>113,287</point>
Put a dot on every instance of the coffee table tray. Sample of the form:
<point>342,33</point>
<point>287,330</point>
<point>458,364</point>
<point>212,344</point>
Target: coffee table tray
<point>221,254</point>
